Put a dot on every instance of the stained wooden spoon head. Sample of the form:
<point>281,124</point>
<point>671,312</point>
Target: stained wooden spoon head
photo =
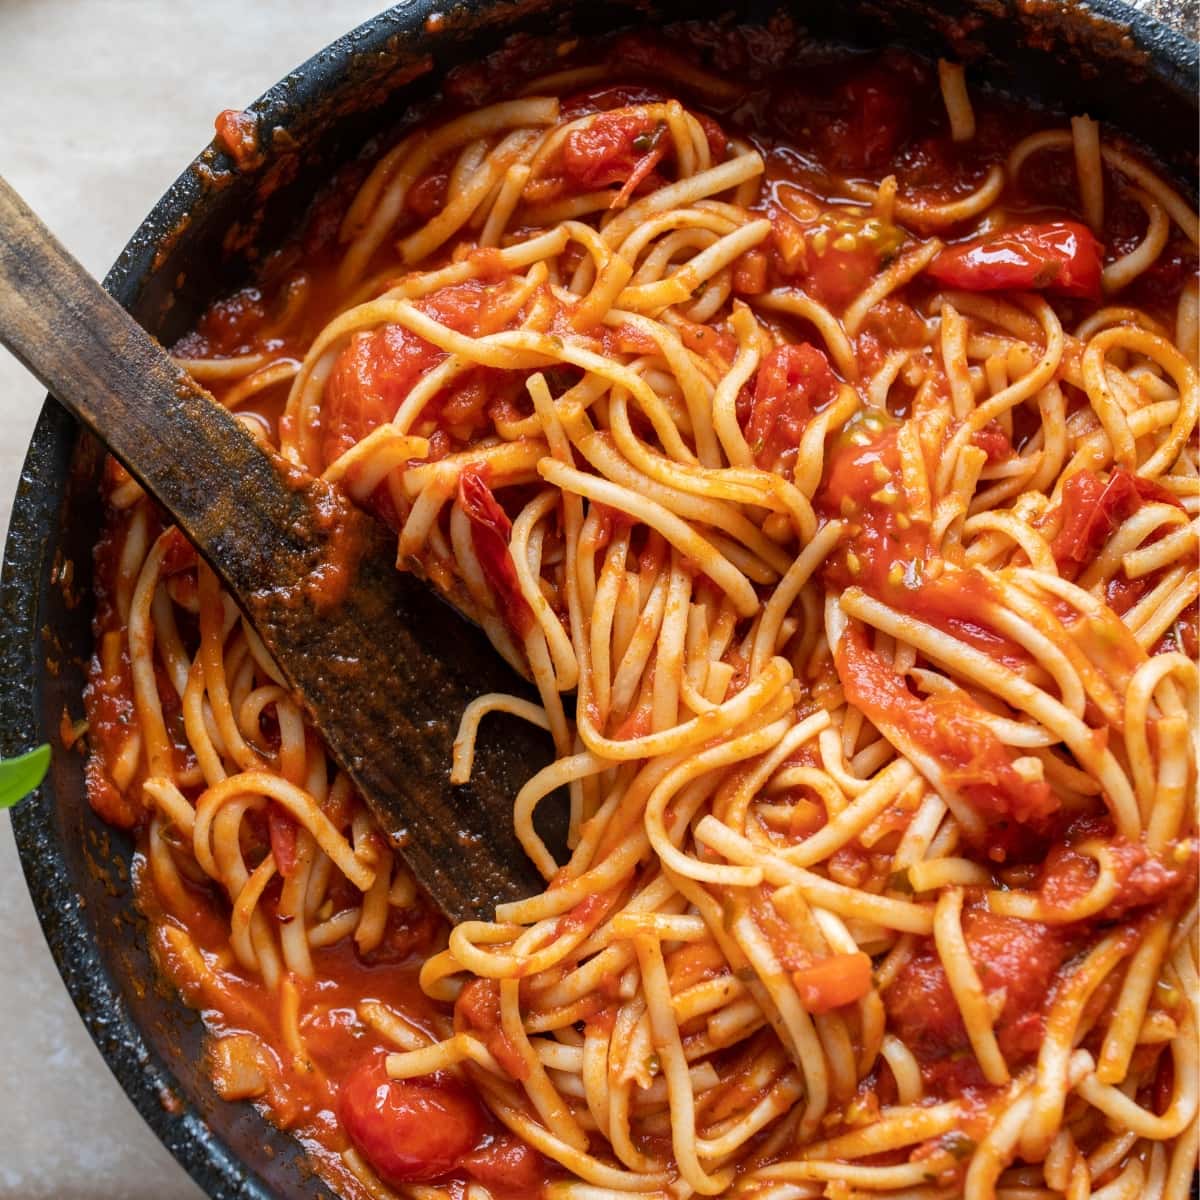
<point>383,667</point>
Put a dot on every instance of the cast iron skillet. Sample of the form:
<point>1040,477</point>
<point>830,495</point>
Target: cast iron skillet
<point>202,240</point>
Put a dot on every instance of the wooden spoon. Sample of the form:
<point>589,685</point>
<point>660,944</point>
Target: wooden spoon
<point>383,667</point>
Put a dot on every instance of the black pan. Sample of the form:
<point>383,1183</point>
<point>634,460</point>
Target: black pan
<point>203,239</point>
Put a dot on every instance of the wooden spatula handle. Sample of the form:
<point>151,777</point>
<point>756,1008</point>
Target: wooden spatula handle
<point>111,375</point>
<point>385,671</point>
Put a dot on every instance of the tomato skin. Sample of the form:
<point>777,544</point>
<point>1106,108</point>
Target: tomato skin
<point>490,531</point>
<point>1057,256</point>
<point>411,1130</point>
<point>281,829</point>
<point>792,382</point>
<point>605,99</point>
<point>368,384</point>
<point>949,728</point>
<point>611,147</point>
<point>1092,508</point>
<point>507,1164</point>
<point>750,274</point>
<point>1022,957</point>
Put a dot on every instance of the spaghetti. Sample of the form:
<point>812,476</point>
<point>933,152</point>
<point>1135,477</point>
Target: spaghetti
<point>834,445</point>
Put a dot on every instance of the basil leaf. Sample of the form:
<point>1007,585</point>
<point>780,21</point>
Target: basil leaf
<point>20,775</point>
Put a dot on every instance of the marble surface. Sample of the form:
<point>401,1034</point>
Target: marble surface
<point>101,103</point>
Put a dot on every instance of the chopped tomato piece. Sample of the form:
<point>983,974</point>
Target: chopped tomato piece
<point>835,257</point>
<point>1058,256</point>
<point>478,1008</point>
<point>1142,878</point>
<point>411,1130</point>
<point>853,124</point>
<point>1092,508</point>
<point>750,274</point>
<point>792,383</point>
<point>237,135</point>
<point>229,327</point>
<point>839,980</point>
<point>626,339</point>
<point>860,462</point>
<point>711,342</point>
<point>877,116</point>
<point>948,727</point>
<point>282,831</point>
<point>428,195</point>
<point>374,374</point>
<point>993,441</point>
<point>1020,957</point>
<point>846,251</point>
<point>507,1164</point>
<point>490,531</point>
<point>369,382</point>
<point>613,147</point>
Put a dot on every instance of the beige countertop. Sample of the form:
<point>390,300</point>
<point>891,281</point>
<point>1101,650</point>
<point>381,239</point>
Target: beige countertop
<point>102,102</point>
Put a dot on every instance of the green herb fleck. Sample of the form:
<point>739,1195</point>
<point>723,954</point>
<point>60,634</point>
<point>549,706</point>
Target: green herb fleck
<point>957,1144</point>
<point>649,139</point>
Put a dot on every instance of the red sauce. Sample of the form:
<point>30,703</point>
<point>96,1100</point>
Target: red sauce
<point>1020,957</point>
<point>792,383</point>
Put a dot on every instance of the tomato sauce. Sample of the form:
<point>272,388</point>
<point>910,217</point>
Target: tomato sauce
<point>1069,873</point>
<point>1019,957</point>
<point>792,384</point>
